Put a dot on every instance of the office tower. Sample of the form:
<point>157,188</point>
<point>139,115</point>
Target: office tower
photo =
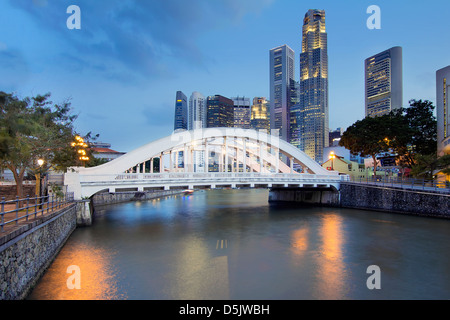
<point>295,120</point>
<point>295,125</point>
<point>314,85</point>
<point>335,137</point>
<point>442,110</point>
<point>383,82</point>
<point>260,119</point>
<point>197,111</point>
<point>282,73</point>
<point>220,112</point>
<point>242,112</point>
<point>181,112</point>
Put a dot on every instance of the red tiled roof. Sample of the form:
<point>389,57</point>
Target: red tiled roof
<point>104,150</point>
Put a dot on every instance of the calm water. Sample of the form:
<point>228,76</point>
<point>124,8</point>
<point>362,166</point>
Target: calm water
<point>233,244</point>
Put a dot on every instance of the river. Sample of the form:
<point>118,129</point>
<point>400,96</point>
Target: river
<point>233,244</point>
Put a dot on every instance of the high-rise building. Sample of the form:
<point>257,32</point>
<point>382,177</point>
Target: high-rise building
<point>335,137</point>
<point>282,73</point>
<point>181,112</point>
<point>220,112</point>
<point>295,125</point>
<point>242,112</point>
<point>442,110</point>
<point>260,116</point>
<point>314,85</point>
<point>197,111</point>
<point>383,82</point>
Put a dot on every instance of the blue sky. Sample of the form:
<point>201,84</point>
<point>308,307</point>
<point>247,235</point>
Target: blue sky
<point>122,69</point>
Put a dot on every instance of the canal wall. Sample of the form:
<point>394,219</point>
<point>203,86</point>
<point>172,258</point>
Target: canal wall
<point>29,250</point>
<point>389,199</point>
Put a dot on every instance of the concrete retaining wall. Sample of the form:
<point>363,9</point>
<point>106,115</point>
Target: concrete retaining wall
<point>395,200</point>
<point>27,253</point>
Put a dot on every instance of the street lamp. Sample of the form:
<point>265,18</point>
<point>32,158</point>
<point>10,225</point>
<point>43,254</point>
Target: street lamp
<point>332,157</point>
<point>39,181</point>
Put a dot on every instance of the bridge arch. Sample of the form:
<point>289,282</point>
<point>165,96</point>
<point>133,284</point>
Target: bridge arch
<point>257,145</point>
<point>219,151</point>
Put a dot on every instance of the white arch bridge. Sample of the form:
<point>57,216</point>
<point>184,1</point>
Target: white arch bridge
<point>205,158</point>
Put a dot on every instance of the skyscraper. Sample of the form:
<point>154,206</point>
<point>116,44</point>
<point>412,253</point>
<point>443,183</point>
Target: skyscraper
<point>181,112</point>
<point>260,116</point>
<point>197,111</point>
<point>383,82</point>
<point>220,112</point>
<point>242,112</point>
<point>314,85</point>
<point>282,73</point>
<point>442,110</point>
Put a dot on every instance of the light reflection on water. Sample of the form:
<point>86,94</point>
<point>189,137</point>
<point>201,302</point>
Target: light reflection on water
<point>232,244</point>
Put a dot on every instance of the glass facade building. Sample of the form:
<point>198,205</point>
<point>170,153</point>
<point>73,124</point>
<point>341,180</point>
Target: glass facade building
<point>242,112</point>
<point>260,116</point>
<point>220,112</point>
<point>383,82</point>
<point>313,109</point>
<point>197,111</point>
<point>282,73</point>
<point>181,112</point>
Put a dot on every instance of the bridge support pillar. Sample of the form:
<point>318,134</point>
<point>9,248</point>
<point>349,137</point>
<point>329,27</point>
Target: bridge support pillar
<point>85,213</point>
<point>320,196</point>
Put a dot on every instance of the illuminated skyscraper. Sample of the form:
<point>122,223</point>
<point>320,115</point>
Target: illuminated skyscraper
<point>181,112</point>
<point>313,107</point>
<point>383,82</point>
<point>260,117</point>
<point>282,75</point>
<point>220,112</point>
<point>241,112</point>
<point>443,110</point>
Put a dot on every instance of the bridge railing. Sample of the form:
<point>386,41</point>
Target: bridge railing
<point>18,210</point>
<point>405,183</point>
<point>209,176</point>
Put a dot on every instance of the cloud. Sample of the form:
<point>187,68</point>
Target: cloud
<point>138,38</point>
<point>14,68</point>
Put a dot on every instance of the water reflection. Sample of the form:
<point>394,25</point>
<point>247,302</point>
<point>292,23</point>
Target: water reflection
<point>97,277</point>
<point>197,274</point>
<point>330,262</point>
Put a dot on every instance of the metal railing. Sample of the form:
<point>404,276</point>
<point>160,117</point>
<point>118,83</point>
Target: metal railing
<point>13,211</point>
<point>405,183</point>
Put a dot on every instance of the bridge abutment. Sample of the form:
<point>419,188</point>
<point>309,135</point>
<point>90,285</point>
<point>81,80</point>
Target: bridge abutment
<point>328,196</point>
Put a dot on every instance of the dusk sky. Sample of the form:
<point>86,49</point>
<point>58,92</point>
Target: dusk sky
<point>122,69</point>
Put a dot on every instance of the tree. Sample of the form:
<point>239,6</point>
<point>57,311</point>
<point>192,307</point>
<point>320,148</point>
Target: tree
<point>32,129</point>
<point>407,132</point>
<point>418,132</point>
<point>367,137</point>
<point>427,165</point>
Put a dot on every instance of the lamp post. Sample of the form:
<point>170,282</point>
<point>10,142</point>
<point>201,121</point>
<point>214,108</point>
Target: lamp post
<point>39,182</point>
<point>332,157</point>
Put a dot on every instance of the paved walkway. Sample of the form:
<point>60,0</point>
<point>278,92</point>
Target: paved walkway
<point>34,213</point>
